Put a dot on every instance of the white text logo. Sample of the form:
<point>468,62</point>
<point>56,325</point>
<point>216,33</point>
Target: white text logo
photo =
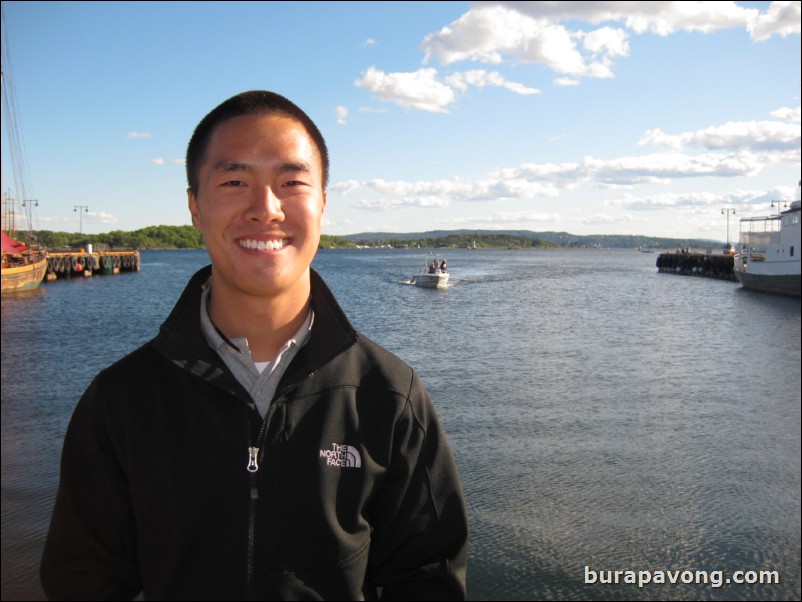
<point>342,456</point>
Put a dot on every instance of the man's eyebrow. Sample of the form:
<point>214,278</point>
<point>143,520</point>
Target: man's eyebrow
<point>302,166</point>
<point>286,166</point>
<point>232,166</point>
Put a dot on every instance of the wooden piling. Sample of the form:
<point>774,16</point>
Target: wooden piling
<point>697,264</point>
<point>83,264</point>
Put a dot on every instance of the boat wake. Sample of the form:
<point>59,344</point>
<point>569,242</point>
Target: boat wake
<point>447,285</point>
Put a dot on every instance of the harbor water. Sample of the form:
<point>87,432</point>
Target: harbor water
<point>610,423</point>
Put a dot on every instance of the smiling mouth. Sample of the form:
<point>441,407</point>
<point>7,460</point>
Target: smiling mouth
<point>264,245</point>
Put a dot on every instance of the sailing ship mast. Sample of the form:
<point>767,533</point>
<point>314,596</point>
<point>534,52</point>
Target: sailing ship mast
<point>24,265</point>
<point>16,149</point>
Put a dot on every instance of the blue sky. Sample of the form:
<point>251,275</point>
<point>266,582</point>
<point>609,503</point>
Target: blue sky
<point>586,117</point>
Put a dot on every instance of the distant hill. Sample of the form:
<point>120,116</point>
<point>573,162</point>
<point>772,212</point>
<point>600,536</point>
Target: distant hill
<point>186,237</point>
<point>484,238</point>
<point>152,237</point>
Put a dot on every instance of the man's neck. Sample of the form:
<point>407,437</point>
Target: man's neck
<point>267,322</point>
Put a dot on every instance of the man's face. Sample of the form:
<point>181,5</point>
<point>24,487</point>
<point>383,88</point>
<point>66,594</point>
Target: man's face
<point>260,203</point>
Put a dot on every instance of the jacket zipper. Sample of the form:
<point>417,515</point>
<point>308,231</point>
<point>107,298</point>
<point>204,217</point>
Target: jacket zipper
<point>253,468</point>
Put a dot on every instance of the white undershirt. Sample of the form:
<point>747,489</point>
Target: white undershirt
<point>260,379</point>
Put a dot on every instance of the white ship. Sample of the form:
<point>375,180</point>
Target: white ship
<point>768,254</point>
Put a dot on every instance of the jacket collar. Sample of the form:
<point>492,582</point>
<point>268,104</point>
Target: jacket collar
<point>181,339</point>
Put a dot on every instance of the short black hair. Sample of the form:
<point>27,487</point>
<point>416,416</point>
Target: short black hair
<point>255,102</point>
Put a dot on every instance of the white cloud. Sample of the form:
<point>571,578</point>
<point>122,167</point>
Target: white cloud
<point>101,217</point>
<point>533,182</point>
<point>368,42</point>
<point>745,149</point>
<point>788,114</point>
<point>661,18</point>
<point>744,201</point>
<point>342,115</point>
<point>607,40</point>
<point>563,175</point>
<point>423,89</point>
<point>627,171</point>
<point>178,161</point>
<point>94,217</point>
<point>602,219</point>
<point>754,136</point>
<point>345,187</point>
<point>656,168</point>
<point>492,34</point>
<point>158,161</point>
<point>519,217</point>
<point>566,81</point>
<point>418,90</point>
<point>479,78</point>
<point>139,135</point>
<point>329,223</point>
<point>426,202</point>
<point>502,220</point>
<point>782,18</point>
<point>538,32</point>
<point>441,192</point>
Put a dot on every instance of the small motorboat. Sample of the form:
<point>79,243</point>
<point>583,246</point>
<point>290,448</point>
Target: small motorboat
<point>433,274</point>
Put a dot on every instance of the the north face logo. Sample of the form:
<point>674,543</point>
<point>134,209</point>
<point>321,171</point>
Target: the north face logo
<point>342,456</point>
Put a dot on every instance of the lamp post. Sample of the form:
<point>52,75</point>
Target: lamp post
<point>728,211</point>
<point>26,204</point>
<point>81,216</point>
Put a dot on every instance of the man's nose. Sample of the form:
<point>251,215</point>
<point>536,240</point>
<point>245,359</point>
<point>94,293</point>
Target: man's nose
<point>266,206</point>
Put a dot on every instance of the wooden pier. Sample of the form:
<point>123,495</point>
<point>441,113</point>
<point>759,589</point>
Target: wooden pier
<point>697,264</point>
<point>75,264</point>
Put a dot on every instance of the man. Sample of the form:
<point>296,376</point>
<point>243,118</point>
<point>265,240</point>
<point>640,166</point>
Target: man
<point>258,447</point>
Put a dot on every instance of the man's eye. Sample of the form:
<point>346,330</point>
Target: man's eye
<point>234,183</point>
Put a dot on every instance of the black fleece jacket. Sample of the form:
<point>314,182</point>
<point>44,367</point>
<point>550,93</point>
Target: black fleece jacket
<point>172,484</point>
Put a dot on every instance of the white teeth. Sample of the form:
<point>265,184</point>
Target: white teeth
<point>263,245</point>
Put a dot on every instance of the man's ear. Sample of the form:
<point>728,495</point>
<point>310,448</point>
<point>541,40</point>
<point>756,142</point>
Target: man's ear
<point>194,210</point>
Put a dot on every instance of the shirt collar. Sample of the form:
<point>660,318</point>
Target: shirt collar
<point>219,341</point>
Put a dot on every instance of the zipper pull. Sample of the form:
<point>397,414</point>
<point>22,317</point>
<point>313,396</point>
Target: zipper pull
<point>253,465</point>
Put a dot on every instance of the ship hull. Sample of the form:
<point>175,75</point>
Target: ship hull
<point>24,277</point>
<point>789,285</point>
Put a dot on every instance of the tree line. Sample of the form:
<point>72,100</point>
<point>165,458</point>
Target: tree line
<point>463,241</point>
<point>152,237</point>
<point>187,237</point>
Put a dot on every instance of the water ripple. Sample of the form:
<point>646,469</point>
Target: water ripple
<point>602,415</point>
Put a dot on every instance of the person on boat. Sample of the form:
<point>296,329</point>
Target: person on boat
<point>443,266</point>
<point>259,447</point>
<point>433,267</point>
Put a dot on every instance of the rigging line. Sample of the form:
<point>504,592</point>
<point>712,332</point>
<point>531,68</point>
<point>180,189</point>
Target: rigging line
<point>19,163</point>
